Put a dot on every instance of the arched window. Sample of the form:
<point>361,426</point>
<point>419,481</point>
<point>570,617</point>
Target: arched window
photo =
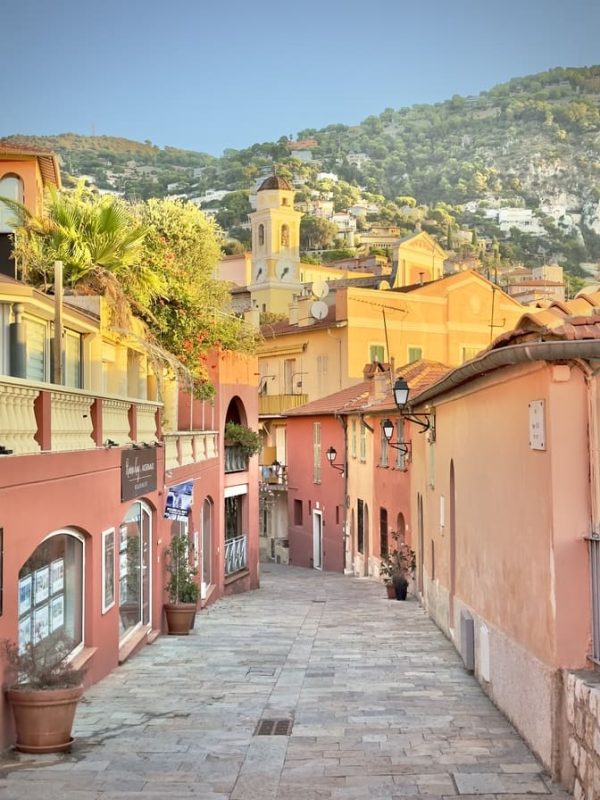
<point>51,591</point>
<point>285,236</point>
<point>261,235</point>
<point>135,536</point>
<point>11,187</point>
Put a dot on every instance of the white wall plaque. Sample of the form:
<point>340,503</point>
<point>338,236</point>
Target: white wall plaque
<point>537,429</point>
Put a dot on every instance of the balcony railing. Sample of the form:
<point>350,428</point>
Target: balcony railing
<point>236,459</point>
<point>280,403</point>
<point>236,554</point>
<point>37,417</point>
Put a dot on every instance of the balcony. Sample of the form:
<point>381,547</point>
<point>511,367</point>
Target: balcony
<point>275,404</point>
<point>41,417</point>
<point>236,459</point>
<point>189,447</point>
<point>236,554</point>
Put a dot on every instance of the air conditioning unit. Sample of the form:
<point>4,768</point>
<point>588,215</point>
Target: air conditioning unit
<point>467,640</point>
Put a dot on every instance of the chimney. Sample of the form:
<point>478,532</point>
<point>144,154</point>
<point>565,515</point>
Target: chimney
<point>293,313</point>
<point>304,316</point>
<point>381,385</point>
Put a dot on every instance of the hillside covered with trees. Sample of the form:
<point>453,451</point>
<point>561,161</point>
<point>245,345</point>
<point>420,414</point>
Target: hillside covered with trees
<point>533,143</point>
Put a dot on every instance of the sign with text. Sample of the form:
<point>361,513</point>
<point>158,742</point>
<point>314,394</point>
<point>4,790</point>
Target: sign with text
<point>138,472</point>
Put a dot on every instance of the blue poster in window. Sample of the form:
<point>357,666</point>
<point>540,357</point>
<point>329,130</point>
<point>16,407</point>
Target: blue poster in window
<point>179,501</point>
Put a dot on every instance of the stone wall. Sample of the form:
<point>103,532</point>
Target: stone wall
<point>582,699</point>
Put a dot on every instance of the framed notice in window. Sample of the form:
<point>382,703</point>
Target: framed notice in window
<point>108,569</point>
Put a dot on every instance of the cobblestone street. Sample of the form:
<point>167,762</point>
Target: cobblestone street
<point>380,703</point>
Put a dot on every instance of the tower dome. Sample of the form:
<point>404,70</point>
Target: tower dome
<point>275,182</point>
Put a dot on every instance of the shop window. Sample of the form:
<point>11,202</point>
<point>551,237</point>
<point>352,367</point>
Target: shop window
<point>206,542</point>
<point>50,597</point>
<point>134,569</point>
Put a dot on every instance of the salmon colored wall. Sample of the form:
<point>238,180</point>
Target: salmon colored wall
<point>28,171</point>
<point>521,514</point>
<point>391,489</point>
<point>41,494</point>
<point>361,476</point>
<point>329,493</point>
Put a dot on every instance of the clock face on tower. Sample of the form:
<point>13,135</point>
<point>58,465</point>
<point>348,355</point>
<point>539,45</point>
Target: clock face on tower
<point>259,270</point>
<point>285,269</point>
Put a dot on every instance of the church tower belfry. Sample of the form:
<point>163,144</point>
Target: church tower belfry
<point>275,246</point>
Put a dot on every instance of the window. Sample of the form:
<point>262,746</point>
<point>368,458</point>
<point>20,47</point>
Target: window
<point>233,516</point>
<point>36,362</point>
<point>11,187</point>
<point>383,459</point>
<point>316,452</point>
<point>206,542</point>
<point>353,438</point>
<point>414,354</point>
<point>261,235</point>
<point>50,597</point>
<point>383,532</point>
<point>72,372</point>
<point>400,454</point>
<point>363,442</point>
<point>134,568</point>
<point>376,353</point>
<point>289,369</point>
<point>285,236</point>
<point>297,512</point>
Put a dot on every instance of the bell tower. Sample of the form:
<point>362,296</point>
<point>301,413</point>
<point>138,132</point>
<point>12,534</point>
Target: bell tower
<point>275,246</point>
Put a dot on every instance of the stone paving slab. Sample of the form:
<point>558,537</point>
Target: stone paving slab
<point>380,703</point>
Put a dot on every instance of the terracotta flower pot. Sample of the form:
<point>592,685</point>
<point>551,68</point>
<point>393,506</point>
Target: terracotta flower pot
<point>44,718</point>
<point>391,591</point>
<point>180,617</point>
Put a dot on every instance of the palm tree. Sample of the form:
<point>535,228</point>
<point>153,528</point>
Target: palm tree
<point>99,242</point>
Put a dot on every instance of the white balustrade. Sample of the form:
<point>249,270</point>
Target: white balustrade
<point>115,421</point>
<point>71,422</point>
<point>186,448</point>
<point>171,455</point>
<point>18,425</point>
<point>146,423</point>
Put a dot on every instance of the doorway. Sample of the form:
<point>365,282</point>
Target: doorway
<point>318,539</point>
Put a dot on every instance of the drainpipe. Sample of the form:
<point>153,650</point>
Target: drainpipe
<point>592,379</point>
<point>347,544</point>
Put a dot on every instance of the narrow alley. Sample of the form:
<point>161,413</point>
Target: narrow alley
<point>379,705</point>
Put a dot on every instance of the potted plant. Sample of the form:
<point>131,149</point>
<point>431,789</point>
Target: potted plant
<point>397,568</point>
<point>43,689</point>
<point>240,436</point>
<point>181,587</point>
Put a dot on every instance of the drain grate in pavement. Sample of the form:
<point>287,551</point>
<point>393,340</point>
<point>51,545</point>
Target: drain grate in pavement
<point>273,727</point>
<point>318,601</point>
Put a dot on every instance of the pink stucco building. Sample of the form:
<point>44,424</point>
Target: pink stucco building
<point>506,517</point>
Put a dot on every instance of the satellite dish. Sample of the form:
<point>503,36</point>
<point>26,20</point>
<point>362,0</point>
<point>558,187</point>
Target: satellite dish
<point>320,289</point>
<point>319,309</point>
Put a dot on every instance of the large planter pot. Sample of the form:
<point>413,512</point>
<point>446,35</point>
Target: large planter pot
<point>44,718</point>
<point>400,587</point>
<point>180,617</point>
<point>391,591</point>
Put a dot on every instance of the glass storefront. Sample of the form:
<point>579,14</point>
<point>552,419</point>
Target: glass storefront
<point>134,540</point>
<point>51,591</point>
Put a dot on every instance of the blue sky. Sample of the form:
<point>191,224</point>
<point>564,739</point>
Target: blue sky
<point>213,74</point>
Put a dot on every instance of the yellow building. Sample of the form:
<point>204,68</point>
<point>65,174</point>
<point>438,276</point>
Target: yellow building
<point>416,259</point>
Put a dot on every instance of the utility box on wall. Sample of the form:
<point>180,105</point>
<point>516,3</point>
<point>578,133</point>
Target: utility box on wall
<point>467,640</point>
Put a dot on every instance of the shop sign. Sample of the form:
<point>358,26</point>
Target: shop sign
<point>179,501</point>
<point>138,472</point>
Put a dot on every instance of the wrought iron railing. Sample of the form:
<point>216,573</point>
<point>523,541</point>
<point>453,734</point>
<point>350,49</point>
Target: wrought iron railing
<point>236,459</point>
<point>236,554</point>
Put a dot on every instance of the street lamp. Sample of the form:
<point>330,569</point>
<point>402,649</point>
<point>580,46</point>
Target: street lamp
<point>331,454</point>
<point>388,432</point>
<point>401,392</point>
